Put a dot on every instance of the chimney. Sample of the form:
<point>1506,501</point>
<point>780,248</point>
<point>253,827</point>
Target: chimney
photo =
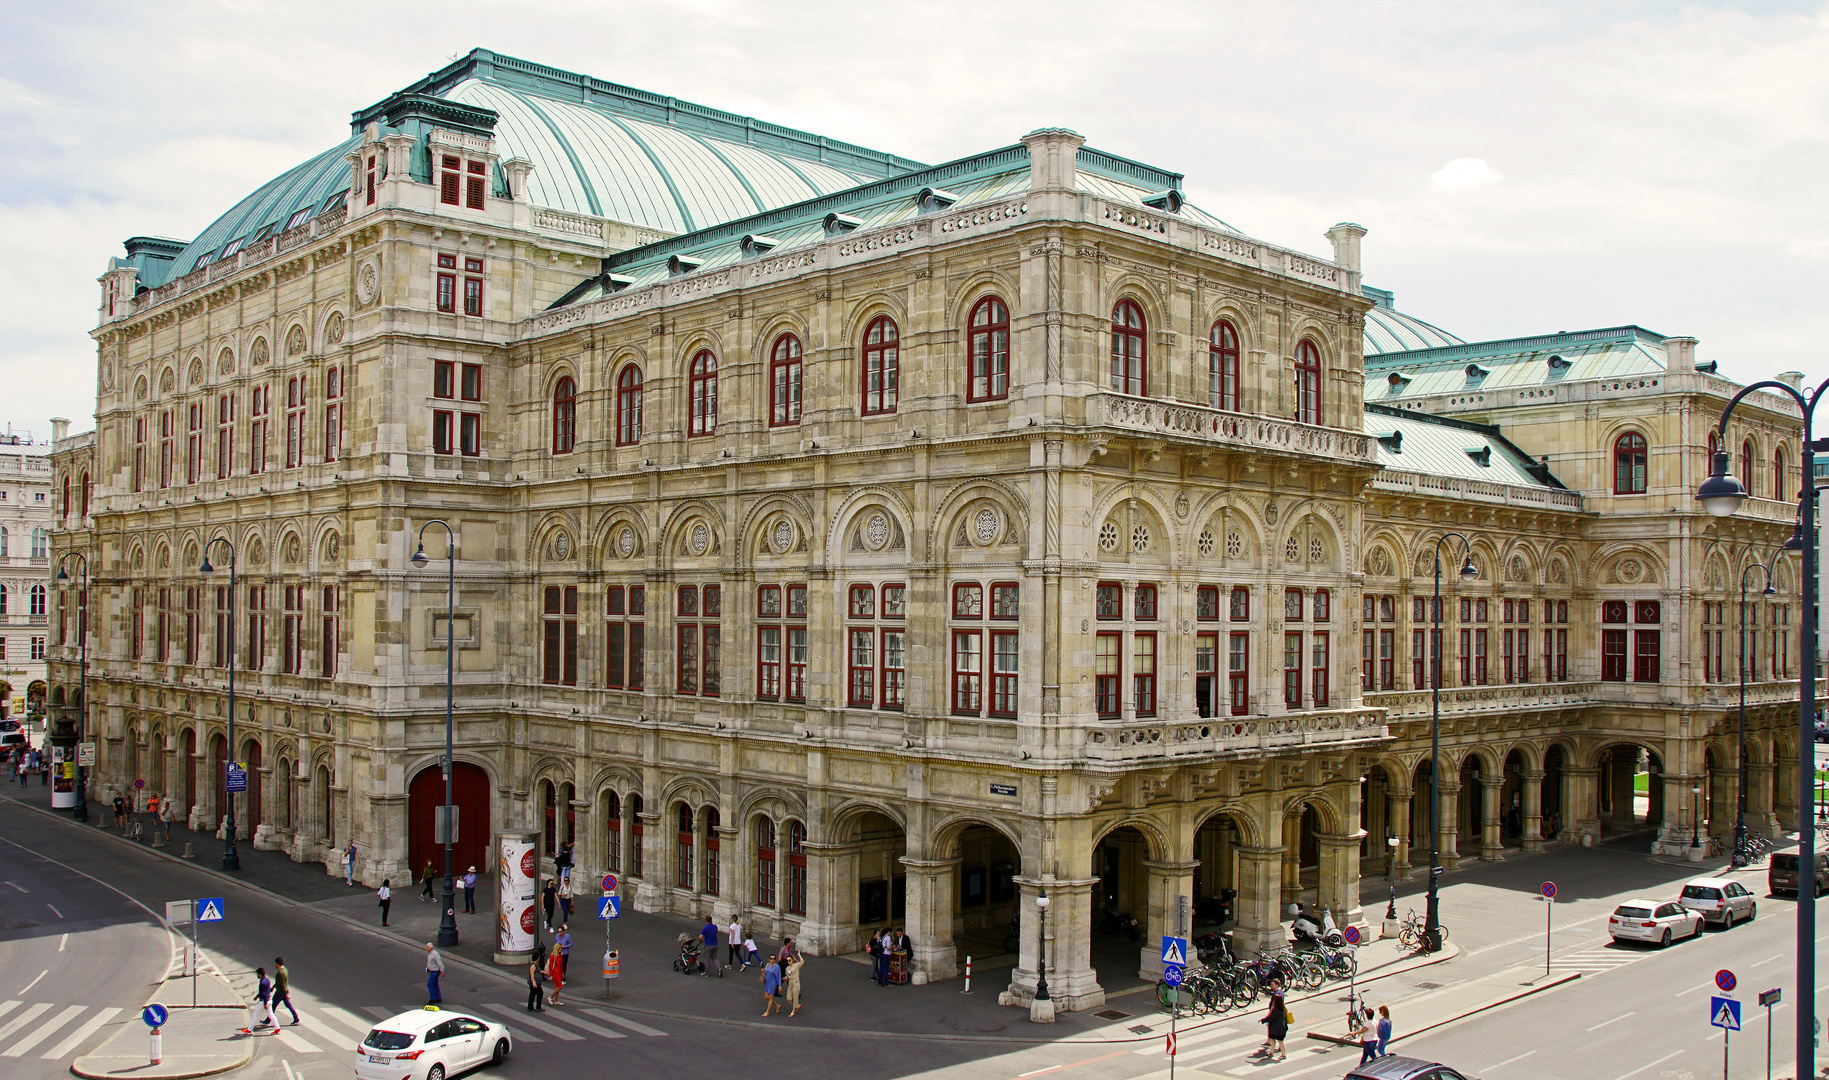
<point>1679,354</point>
<point>1053,158</point>
<point>1345,237</point>
<point>1792,379</point>
<point>61,428</point>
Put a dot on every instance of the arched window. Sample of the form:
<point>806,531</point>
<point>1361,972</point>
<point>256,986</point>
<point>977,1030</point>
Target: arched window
<point>702,388</point>
<point>628,406</point>
<point>1778,474</point>
<point>988,340</point>
<point>1222,366</point>
<point>796,868</point>
<point>1714,447</point>
<point>765,862</point>
<point>565,416</point>
<point>65,512</point>
<point>1629,464</point>
<point>784,382</point>
<point>683,840</point>
<point>1129,353</point>
<point>1308,383</point>
<point>87,488</point>
<point>635,835</point>
<point>2,541</point>
<point>713,871</point>
<point>612,841</point>
<point>38,600</point>
<point>1746,466</point>
<point>41,544</point>
<point>882,366</point>
<point>2,599</point>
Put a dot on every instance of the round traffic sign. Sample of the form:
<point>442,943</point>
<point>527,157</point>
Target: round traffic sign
<point>609,883</point>
<point>154,1015</point>
<point>1172,974</point>
<point>1725,980</point>
<point>139,783</point>
<point>1351,934</point>
<point>1549,890</point>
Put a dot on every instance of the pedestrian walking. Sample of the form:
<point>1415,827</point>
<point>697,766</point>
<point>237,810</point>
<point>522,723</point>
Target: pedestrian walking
<point>708,948</point>
<point>562,944</point>
<point>425,877</point>
<point>549,900</point>
<point>470,891</point>
<point>771,986</point>
<point>564,863</point>
<point>1276,1024</point>
<point>733,940</point>
<point>1365,1032</point>
<point>1384,1030</point>
<point>349,864</point>
<point>555,971</point>
<point>536,1001</point>
<point>263,1002</point>
<point>386,895</point>
<point>120,815</point>
<point>565,901</point>
<point>282,990</point>
<point>434,967</point>
<point>750,955</point>
<point>168,813</point>
<point>792,983</point>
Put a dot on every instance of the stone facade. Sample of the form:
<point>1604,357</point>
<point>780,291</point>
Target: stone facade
<point>914,651</point>
<point>27,509</point>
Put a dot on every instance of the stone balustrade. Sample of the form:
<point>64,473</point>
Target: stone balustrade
<point>1229,736</point>
<point>1177,420</point>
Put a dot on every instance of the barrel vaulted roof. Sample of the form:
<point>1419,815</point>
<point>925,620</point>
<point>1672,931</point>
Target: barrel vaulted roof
<point>1514,363</point>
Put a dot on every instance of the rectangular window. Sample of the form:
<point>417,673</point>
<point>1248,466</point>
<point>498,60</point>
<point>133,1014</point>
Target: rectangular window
<point>1324,605</point>
<point>333,413</point>
<point>470,434</point>
<point>1292,605</point>
<point>473,286</point>
<point>1108,602</point>
<point>1524,656</point>
<point>225,435</point>
<point>443,422</point>
<point>193,622</point>
<point>447,288</point>
<point>1613,655</point>
<point>292,630</point>
<point>1005,658</point>
<point>1206,603</point>
<point>895,601</point>
<point>1144,602</point>
<point>1481,671</point>
<point>768,644</point>
<point>1238,674</point>
<point>559,636</point>
<point>795,688</point>
<point>623,610</point>
<point>1419,678</point>
<point>220,639</point>
<point>257,430</point>
<point>295,423</point>
<point>968,601</point>
<point>1143,674</point>
<point>968,672</point>
<point>165,435</point>
<point>473,195</point>
<point>139,454</point>
<point>1480,614</point>
<point>1241,603</point>
<point>193,444</point>
<point>1320,668</point>
<point>1105,674</point>
<point>328,610</point>
<point>161,641</point>
<point>444,379</point>
<point>1562,654</point>
<point>470,382</point>
<point>1646,656</point>
<point>255,652</point>
<point>863,602</point>
<point>1466,658</point>
<point>698,661</point>
<point>895,667</point>
<point>38,649</point>
<point>136,624</point>
<point>1004,599</point>
<point>1292,670</point>
<point>450,176</point>
<point>862,664</point>
<point>1387,659</point>
<point>1206,674</point>
<point>1508,641</point>
<point>1368,643</point>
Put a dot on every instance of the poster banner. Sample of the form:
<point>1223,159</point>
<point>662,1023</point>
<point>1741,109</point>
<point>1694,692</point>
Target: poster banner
<point>518,867</point>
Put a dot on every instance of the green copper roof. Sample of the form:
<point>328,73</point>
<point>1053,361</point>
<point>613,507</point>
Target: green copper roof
<point>1545,360</point>
<point>1440,446</point>
<point>598,148</point>
<point>1389,330</point>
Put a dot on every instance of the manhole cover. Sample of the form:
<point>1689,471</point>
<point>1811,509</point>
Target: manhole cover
<point>1428,986</point>
<point>1141,1029</point>
<point>1110,1014</point>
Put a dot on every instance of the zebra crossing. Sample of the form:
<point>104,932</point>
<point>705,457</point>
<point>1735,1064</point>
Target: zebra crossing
<point>325,1028</point>
<point>26,1026</point>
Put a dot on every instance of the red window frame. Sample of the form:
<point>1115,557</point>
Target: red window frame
<point>860,666</point>
<point>1108,671</point>
<point>1367,671</point>
<point>968,600</point>
<point>225,442</point>
<point>565,415</point>
<point>628,406</point>
<point>470,434</point>
<point>685,839</point>
<point>768,643</point>
<point>893,651</point>
<point>624,637</point>
<point>1206,603</point>
<point>1613,655</point>
<point>1387,659</point>
<point>637,857</point>
<point>470,382</point>
<point>1778,473</point>
<point>1143,603</point>
<point>702,394</point>
<point>296,394</point>
<point>558,635</point>
<point>446,296</point>
<point>988,351</point>
<point>328,641</point>
<point>1241,603</point>
<point>474,186</point>
<point>1222,366</point>
<point>1323,608</point>
<point>193,443</point>
<point>333,413</point>
<point>968,672</point>
<point>1630,456</point>
<point>1308,382</point>
<point>612,832</point>
<point>1238,672</point>
<point>1320,668</point>
<point>765,863</point>
<point>1143,673</point>
<point>1006,600</point>
<point>139,453</point>
<point>1292,669</point>
<point>1108,600</point>
<point>473,286</point>
<point>1481,666</point>
<point>450,179</point>
<point>862,604</point>
<point>1206,673</point>
<point>784,380</point>
<point>369,183</point>
<point>1129,350</point>
<point>1292,605</point>
<point>796,868</point>
<point>881,367</point>
<point>444,431</point>
<point>1647,656</point>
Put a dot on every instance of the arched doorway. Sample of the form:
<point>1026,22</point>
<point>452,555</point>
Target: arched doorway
<point>250,812</point>
<point>985,887</point>
<point>155,761</point>
<point>284,805</point>
<point>218,764</point>
<point>881,882</point>
<point>469,790</point>
<point>188,747</point>
<point>1470,804</point>
<point>326,808</point>
<point>1630,788</point>
<point>1123,888</point>
<point>1555,787</point>
<point>1216,875</point>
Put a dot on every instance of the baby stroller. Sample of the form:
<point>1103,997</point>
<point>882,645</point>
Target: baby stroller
<point>688,962</point>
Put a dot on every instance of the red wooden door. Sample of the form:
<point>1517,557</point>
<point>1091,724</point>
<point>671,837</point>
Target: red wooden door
<point>470,790</point>
<point>249,816</point>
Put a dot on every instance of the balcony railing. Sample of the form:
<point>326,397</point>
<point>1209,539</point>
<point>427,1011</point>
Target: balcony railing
<point>1460,700</point>
<point>1177,420</point>
<point>1230,736</point>
<point>1451,487</point>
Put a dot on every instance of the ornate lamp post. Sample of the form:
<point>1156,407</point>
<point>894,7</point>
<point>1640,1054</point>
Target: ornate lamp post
<point>82,676</point>
<point>447,920</point>
<point>1432,912</point>
<point>1041,1010</point>
<point>1721,495</point>
<point>231,859</point>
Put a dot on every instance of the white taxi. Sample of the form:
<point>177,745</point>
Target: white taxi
<point>1661,921</point>
<point>430,1044</point>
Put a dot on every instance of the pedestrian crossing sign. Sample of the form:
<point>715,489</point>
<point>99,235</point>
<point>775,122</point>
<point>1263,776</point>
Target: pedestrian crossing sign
<point>1724,1013</point>
<point>609,907</point>
<point>209,910</point>
<point>1175,951</point>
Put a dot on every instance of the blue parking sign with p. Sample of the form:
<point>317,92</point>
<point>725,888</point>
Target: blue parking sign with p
<point>609,907</point>
<point>1175,951</point>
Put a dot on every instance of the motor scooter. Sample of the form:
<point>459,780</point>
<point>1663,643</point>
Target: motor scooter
<point>1305,929</point>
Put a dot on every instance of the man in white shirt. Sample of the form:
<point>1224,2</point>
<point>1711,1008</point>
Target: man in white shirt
<point>434,967</point>
<point>736,944</point>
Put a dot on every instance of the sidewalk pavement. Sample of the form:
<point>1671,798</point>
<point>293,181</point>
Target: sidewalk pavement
<point>196,1041</point>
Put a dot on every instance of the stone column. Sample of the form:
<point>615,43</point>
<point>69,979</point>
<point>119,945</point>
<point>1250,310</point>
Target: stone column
<point>1785,805</point>
<point>1397,815</point>
<point>830,926</point>
<point>1260,900</point>
<point>1292,859</point>
<point>1654,803</point>
<point>656,889</point>
<point>1168,881</point>
<point>1449,835</point>
<point>1721,801</point>
<point>1072,982</point>
<point>736,874</point>
<point>1759,819</point>
<point>1625,796</point>
<point>1492,845</point>
<point>1674,833</point>
<point>931,890</point>
<point>1533,811</point>
<point>1581,804</point>
<point>1337,888</point>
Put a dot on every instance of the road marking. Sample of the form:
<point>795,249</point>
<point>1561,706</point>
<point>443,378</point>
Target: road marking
<point>75,1038</point>
<point>54,911</point>
<point>1509,1061</point>
<point>354,1023</point>
<point>294,1043</point>
<point>288,1068</point>
<point>18,886</point>
<point>62,941</point>
<point>538,1025</point>
<point>30,1014</point>
<point>595,1029</point>
<point>20,1048</point>
<point>1769,959</point>
<point>8,1006</point>
<point>1074,1065</point>
<point>1642,1068</point>
<point>1692,990</point>
<point>34,982</point>
<point>1615,1020</point>
<point>639,1029</point>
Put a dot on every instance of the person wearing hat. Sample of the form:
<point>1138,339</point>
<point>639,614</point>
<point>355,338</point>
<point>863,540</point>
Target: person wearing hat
<point>434,967</point>
<point>470,891</point>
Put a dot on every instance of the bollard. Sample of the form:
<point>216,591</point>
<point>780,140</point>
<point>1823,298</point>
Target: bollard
<point>155,1046</point>
<point>158,836</point>
<point>188,853</point>
<point>968,976</point>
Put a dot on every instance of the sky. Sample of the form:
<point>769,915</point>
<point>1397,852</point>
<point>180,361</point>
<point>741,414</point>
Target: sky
<point>1522,168</point>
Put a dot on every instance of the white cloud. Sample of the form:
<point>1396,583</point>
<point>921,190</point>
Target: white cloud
<point>1463,174</point>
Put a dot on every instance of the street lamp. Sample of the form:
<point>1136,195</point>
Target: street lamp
<point>1432,911</point>
<point>1695,817</point>
<point>447,920</point>
<point>1740,809</point>
<point>82,675</point>
<point>1721,495</point>
<point>1041,949</point>
<point>231,860</point>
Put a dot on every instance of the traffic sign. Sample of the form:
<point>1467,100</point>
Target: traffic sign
<point>209,910</point>
<point>1172,974</point>
<point>1724,1013</point>
<point>1175,951</point>
<point>609,883</point>
<point>1351,934</point>
<point>1725,980</point>
<point>609,907</point>
<point>154,1015</point>
<point>238,777</point>
<point>1169,1048</point>
<point>138,784</point>
<point>1549,890</point>
<point>1769,998</point>
<point>178,912</point>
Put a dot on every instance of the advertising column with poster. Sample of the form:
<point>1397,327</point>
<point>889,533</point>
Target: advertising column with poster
<point>517,867</point>
<point>63,777</point>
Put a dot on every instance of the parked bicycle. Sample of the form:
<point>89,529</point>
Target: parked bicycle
<point>1410,933</point>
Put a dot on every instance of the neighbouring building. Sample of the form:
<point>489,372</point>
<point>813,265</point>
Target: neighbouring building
<point>842,540</point>
<point>26,501</point>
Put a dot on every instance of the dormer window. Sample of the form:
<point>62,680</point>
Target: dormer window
<point>841,223</point>
<point>683,264</point>
<point>1391,440</point>
<point>1169,200</point>
<point>754,245</point>
<point>1475,371</point>
<point>473,185</point>
<point>1558,363</point>
<point>933,199</point>
<point>234,246</point>
<point>371,177</point>
<point>299,217</point>
<point>1481,455</point>
<point>1398,378</point>
<point>461,180</point>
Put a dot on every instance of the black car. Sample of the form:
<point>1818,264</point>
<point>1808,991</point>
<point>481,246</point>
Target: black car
<point>1391,1067</point>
